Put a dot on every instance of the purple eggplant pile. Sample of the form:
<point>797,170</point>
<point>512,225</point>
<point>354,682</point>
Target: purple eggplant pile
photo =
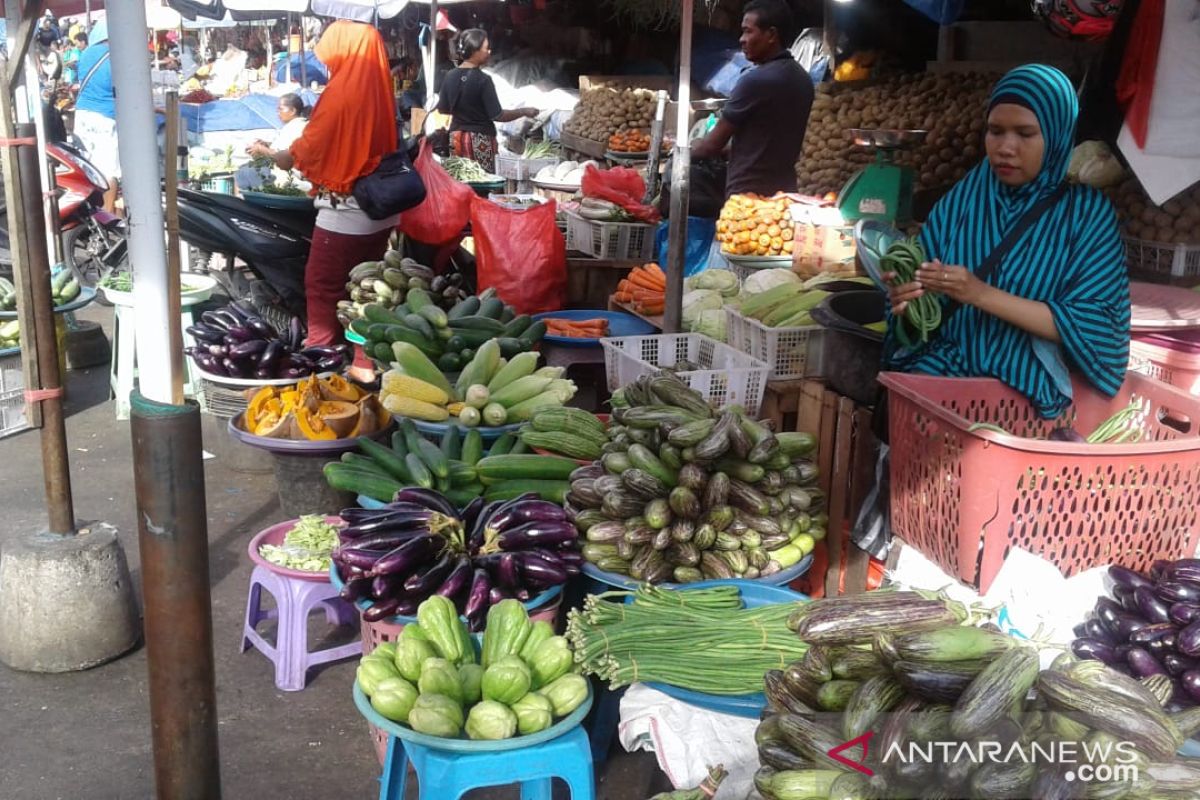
<point>1150,626</point>
<point>235,342</point>
<point>421,545</point>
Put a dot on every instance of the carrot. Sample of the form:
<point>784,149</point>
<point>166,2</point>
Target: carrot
<point>643,280</point>
<point>655,270</point>
<point>652,311</point>
<point>648,278</point>
<point>623,296</point>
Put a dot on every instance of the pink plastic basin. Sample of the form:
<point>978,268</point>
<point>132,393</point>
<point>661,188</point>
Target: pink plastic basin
<point>275,535</point>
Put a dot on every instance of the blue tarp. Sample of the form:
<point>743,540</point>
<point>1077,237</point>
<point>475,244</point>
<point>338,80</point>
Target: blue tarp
<point>250,113</point>
<point>314,69</point>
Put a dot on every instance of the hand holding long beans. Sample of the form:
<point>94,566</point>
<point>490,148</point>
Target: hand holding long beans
<point>917,310</point>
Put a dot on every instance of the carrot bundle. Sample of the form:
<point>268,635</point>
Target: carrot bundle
<point>645,289</point>
<point>577,328</point>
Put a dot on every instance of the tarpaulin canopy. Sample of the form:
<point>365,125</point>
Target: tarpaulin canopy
<point>360,10</point>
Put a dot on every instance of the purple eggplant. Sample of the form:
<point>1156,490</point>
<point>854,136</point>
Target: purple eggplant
<point>537,534</point>
<point>1150,607</point>
<point>1188,641</point>
<point>1174,591</point>
<point>316,353</point>
<point>1094,650</point>
<point>264,374</point>
<point>428,498</point>
<point>398,519</point>
<point>383,542</point>
<point>528,511</point>
<point>478,600</point>
<point>235,369</point>
<point>271,356</point>
<point>385,587</point>
<point>1122,576</point>
<point>207,363</point>
<point>507,571</point>
<point>498,593</point>
<point>331,364</point>
<point>218,350</point>
<point>1190,682</point>
<point>1128,600</point>
<point>382,610</point>
<point>1066,435</point>
<point>206,334</point>
<point>470,513</point>
<point>1107,610</point>
<point>1160,647</point>
<point>248,350</point>
<point>478,529</point>
<point>1184,613</point>
<point>1188,572</point>
<point>523,595</point>
<point>408,557</point>
<point>220,320</point>
<point>260,328</point>
<point>457,582</point>
<point>1095,629</point>
<point>424,582</point>
<point>1152,632</point>
<point>353,557</point>
<point>1127,624</point>
<point>542,570</point>
<point>1177,664</point>
<point>1144,665</point>
<point>355,589</point>
<point>295,336</point>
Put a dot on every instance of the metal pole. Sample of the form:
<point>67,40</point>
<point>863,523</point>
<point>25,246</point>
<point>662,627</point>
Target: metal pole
<point>87,15</point>
<point>303,56</point>
<point>39,317</point>
<point>677,232</point>
<point>431,58</point>
<point>656,139</point>
<point>171,184</point>
<point>136,137</point>
<point>38,117</point>
<point>289,47</point>
<point>173,542</point>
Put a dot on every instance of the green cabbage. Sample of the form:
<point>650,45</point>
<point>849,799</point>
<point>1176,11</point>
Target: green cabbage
<point>765,279</point>
<point>718,280</point>
<point>711,324</point>
<point>697,301</point>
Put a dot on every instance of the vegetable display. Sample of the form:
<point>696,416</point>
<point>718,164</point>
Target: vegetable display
<point>64,288</point>
<point>643,640</point>
<point>539,149</point>
<point>10,334</point>
<point>490,391</point>
<point>751,225</point>
<point>684,493</point>
<point>315,409</point>
<point>1176,221</point>
<point>567,173</point>
<point>601,112</point>
<point>788,305</point>
<point>1121,428</point>
<point>629,141</point>
<point>577,328</point>
<point>307,547</point>
<point>431,679</point>
<point>703,304</point>
<point>459,468</point>
<point>236,342</point>
<point>645,289</point>
<point>449,338</point>
<point>598,210</point>
<point>570,432</point>
<point>466,170</point>
<point>421,545</point>
<point>922,316</point>
<point>388,283</point>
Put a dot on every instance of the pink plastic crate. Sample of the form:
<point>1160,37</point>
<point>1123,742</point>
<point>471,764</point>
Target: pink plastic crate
<point>1172,358</point>
<point>964,498</point>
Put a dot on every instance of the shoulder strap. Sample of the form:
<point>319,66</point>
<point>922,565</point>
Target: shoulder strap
<point>93,70</point>
<point>989,265</point>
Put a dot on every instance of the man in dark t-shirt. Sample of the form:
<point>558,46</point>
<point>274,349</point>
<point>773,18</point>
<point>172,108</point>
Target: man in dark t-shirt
<point>764,120</point>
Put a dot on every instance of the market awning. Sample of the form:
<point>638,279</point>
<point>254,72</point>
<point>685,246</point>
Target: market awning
<point>360,10</point>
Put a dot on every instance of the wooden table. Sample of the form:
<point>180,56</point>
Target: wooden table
<point>590,281</point>
<point>656,320</point>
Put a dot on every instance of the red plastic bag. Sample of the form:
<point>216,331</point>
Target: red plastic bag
<point>622,186</point>
<point>440,219</point>
<point>522,254</point>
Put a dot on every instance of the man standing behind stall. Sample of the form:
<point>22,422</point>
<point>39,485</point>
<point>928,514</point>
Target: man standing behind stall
<point>764,120</point>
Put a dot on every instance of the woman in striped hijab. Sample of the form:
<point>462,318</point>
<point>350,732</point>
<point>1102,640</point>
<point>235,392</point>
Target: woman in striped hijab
<point>1058,299</point>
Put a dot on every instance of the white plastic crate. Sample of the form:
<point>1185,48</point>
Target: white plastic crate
<point>11,376</point>
<point>618,241</point>
<point>515,168</point>
<point>726,376</point>
<point>12,413</point>
<point>1167,260</point>
<point>790,352</point>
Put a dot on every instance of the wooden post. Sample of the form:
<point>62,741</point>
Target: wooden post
<point>171,189</point>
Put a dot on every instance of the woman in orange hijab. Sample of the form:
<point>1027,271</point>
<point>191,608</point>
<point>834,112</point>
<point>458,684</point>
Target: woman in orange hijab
<point>352,127</point>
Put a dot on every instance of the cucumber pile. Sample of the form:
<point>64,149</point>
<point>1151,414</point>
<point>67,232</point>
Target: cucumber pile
<point>388,282</point>
<point>10,334</point>
<point>684,493</point>
<point>449,338</point>
<point>903,666</point>
<point>64,288</point>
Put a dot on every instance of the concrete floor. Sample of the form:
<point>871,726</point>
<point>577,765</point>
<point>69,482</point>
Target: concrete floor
<point>86,735</point>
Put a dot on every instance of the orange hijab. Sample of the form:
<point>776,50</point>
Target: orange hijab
<point>354,122</point>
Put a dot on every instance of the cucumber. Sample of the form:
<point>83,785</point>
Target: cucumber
<point>462,496</point>
<point>450,362</point>
<point>421,325</point>
<point>477,323</point>
<point>533,334</point>
<point>348,478</point>
<point>381,351</point>
<point>469,338</point>
<point>416,299</point>
<point>430,455</point>
<point>420,473</point>
<point>462,474</point>
<point>364,463</point>
<point>492,307</point>
<point>434,316</point>
<point>472,447</point>
<point>510,347</point>
<point>386,458</point>
<point>375,312</point>
<point>502,445</point>
<point>464,308</point>
<point>496,468</point>
<point>553,491</point>
<point>518,325</point>
<point>451,443</point>
<point>507,315</point>
<point>641,457</point>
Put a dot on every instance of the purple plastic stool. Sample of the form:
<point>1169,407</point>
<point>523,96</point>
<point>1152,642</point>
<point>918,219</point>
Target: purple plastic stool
<point>296,596</point>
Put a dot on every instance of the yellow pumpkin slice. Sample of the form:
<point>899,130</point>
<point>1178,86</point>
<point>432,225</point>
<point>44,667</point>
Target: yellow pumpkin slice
<point>341,417</point>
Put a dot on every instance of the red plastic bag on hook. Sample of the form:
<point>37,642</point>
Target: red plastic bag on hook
<point>622,186</point>
<point>440,219</point>
<point>522,254</point>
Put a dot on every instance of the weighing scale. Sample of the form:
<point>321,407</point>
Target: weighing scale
<point>882,190</point>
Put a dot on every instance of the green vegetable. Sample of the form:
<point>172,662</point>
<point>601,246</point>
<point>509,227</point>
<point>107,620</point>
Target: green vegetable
<point>439,621</point>
<point>471,678</point>
<point>394,698</point>
<point>534,713</point>
<point>373,671</point>
<point>308,546</point>
<point>507,680</point>
<point>436,715</point>
<point>566,694</point>
<point>923,315</point>
<point>411,653</point>
<point>506,631</point>
<point>552,659</point>
<point>539,632</point>
<point>494,415</point>
<point>466,170</point>
<point>439,676</point>
<point>490,720</point>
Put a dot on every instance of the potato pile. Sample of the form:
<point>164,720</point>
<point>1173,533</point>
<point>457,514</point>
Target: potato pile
<point>1176,221</point>
<point>950,107</point>
<point>751,225</point>
<point>603,112</point>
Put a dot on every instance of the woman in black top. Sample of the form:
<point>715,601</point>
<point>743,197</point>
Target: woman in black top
<point>468,95</point>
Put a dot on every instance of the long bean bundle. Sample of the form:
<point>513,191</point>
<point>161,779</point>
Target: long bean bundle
<point>904,257</point>
<point>703,640</point>
<point>1122,427</point>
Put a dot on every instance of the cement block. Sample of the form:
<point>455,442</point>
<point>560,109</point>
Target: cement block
<point>66,602</point>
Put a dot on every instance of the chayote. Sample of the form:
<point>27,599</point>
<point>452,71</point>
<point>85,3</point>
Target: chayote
<point>394,698</point>
<point>440,623</point>
<point>489,720</point>
<point>471,678</point>
<point>436,715</point>
<point>506,632</point>
<point>507,680</point>
<point>439,676</point>
<point>411,655</point>
<point>371,671</point>
<point>534,713</point>
<point>552,659</point>
<point>539,632</point>
<point>386,650</point>
<point>567,693</point>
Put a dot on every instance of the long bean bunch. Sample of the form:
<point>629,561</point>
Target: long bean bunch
<point>904,257</point>
<point>1122,427</point>
<point>702,640</point>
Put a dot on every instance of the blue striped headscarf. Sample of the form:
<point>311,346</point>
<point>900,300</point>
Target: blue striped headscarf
<point>1072,259</point>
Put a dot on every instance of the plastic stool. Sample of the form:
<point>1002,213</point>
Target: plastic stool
<point>443,775</point>
<point>123,367</point>
<point>294,600</point>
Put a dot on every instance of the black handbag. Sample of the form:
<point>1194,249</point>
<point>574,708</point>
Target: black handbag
<point>393,187</point>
